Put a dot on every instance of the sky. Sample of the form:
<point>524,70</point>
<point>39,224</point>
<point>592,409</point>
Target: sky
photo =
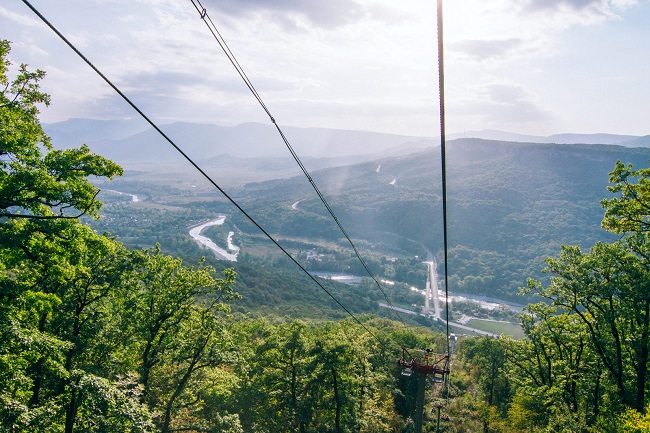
<point>536,67</point>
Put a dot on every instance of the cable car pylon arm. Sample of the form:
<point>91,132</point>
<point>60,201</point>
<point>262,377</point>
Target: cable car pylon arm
<point>426,363</point>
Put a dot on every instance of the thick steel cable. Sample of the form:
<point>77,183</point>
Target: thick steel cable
<point>443,161</point>
<point>203,13</point>
<point>196,166</point>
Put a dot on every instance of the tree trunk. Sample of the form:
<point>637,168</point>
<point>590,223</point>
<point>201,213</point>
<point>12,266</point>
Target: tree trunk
<point>38,369</point>
<point>38,382</point>
<point>643,362</point>
<point>71,410</point>
<point>147,364</point>
<point>419,403</point>
<point>596,408</point>
<point>193,367</point>
<point>337,418</point>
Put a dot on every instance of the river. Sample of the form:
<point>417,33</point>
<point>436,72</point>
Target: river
<point>134,198</point>
<point>220,253</point>
<point>341,278</point>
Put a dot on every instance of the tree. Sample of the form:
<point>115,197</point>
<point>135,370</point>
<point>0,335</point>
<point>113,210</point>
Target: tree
<point>76,306</point>
<point>334,378</point>
<point>280,378</point>
<point>175,331</point>
<point>555,370</point>
<point>35,184</point>
<point>42,192</point>
<point>629,211</point>
<point>488,358</point>
<point>201,346</point>
<point>608,290</point>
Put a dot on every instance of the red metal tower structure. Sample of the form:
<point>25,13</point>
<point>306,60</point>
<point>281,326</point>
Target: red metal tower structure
<point>424,363</point>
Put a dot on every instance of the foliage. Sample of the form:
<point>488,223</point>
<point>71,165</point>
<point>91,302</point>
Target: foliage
<point>95,336</point>
<point>628,211</point>
<point>635,422</point>
<point>34,184</point>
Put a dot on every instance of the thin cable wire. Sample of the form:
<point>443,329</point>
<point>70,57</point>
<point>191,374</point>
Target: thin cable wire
<point>443,158</point>
<point>226,49</point>
<point>196,166</point>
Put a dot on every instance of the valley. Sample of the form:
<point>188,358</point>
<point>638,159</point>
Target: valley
<point>510,205</point>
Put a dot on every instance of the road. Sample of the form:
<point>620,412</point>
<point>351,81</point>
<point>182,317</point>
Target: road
<point>432,279</point>
<point>454,324</point>
<point>432,283</point>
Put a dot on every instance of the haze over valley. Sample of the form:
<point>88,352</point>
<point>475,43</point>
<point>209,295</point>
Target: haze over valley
<point>511,204</point>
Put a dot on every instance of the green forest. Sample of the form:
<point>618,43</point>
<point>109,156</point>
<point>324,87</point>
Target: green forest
<point>510,205</point>
<point>96,336</point>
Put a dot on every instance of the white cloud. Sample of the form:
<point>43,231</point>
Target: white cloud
<point>20,18</point>
<point>502,106</point>
<point>294,14</point>
<point>368,64</point>
<point>481,50</point>
<point>570,12</point>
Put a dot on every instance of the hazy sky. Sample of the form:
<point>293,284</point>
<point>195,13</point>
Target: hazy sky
<point>527,66</point>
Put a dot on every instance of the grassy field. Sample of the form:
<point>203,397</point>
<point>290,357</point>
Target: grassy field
<point>508,329</point>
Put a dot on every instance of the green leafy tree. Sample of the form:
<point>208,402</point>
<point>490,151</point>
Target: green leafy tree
<point>93,337</point>
<point>488,358</point>
<point>280,372</point>
<point>334,379</point>
<point>22,345</point>
<point>174,326</point>
<point>80,288</point>
<point>37,182</point>
<point>556,370</point>
<point>606,289</point>
<point>111,407</point>
<point>629,210</point>
<point>42,192</point>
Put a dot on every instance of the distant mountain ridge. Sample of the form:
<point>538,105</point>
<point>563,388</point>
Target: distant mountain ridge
<point>566,138</point>
<point>133,141</point>
<point>128,142</point>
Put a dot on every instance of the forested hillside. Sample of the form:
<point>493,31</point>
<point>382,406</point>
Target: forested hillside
<point>510,205</point>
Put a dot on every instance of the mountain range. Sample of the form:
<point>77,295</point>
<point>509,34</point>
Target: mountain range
<point>511,202</point>
<point>134,142</point>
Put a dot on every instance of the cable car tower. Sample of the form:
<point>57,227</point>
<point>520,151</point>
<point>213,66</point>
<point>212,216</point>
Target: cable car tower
<point>424,363</point>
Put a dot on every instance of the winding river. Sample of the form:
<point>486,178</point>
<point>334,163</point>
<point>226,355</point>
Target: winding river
<point>134,198</point>
<point>220,253</point>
